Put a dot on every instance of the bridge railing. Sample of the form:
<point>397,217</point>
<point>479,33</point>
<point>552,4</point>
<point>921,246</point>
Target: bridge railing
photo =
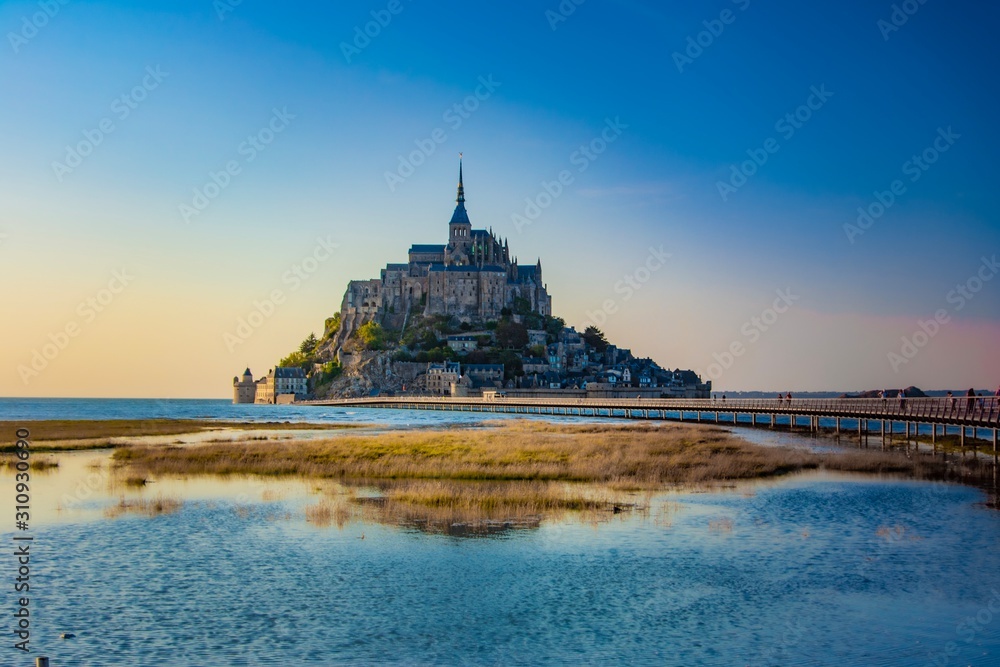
<point>978,410</point>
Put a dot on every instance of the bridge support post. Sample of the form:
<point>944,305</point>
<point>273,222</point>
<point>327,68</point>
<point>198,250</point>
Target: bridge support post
<point>994,446</point>
<point>716,417</point>
<point>883,434</point>
<point>753,418</point>
<point>962,437</point>
<point>791,422</point>
<point>838,425</point>
<point>772,420</point>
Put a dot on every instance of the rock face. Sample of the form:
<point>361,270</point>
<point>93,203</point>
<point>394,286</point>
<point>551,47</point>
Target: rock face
<point>374,373</point>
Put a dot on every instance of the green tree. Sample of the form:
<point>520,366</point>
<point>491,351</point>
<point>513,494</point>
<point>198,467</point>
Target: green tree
<point>371,335</point>
<point>297,358</point>
<point>534,321</point>
<point>309,344</point>
<point>512,365</point>
<point>594,337</point>
<point>553,326</point>
<point>511,335</point>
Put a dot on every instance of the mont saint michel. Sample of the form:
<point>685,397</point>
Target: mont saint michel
<point>460,318</point>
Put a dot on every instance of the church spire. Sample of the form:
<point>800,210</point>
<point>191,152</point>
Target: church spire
<point>460,216</point>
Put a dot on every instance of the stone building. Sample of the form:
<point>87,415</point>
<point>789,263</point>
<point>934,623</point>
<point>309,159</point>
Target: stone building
<point>472,277</point>
<point>441,376</point>
<point>244,390</point>
<point>281,385</point>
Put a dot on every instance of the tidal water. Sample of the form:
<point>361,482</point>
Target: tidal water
<point>812,569</point>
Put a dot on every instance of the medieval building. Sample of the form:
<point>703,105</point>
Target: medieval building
<point>472,277</point>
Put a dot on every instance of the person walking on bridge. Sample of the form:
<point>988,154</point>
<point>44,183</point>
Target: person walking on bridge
<point>902,400</point>
<point>970,401</point>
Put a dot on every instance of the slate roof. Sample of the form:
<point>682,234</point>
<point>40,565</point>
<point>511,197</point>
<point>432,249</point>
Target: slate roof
<point>460,214</point>
<point>292,372</point>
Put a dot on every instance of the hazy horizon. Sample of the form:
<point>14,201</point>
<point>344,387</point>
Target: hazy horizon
<point>173,164</point>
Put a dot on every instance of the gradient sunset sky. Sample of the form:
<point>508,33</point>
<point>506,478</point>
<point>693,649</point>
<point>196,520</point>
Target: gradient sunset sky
<point>162,95</point>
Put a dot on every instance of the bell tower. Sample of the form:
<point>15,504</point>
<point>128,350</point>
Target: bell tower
<point>459,229</point>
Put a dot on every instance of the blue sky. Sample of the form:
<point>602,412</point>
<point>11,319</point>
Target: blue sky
<point>346,120</point>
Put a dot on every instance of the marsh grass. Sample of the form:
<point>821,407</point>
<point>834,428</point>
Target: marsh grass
<point>143,506</point>
<point>467,507</point>
<point>630,455</point>
<point>37,464</point>
<point>510,473</point>
<point>66,431</point>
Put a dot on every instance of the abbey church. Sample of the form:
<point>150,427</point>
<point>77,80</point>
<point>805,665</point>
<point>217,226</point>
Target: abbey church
<point>472,277</point>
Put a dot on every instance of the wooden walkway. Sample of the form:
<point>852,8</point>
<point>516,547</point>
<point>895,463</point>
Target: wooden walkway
<point>961,413</point>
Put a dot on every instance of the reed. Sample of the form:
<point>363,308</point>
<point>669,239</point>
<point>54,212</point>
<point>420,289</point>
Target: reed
<point>71,430</point>
<point>146,507</point>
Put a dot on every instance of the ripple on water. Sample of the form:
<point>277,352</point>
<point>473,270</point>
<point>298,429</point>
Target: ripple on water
<point>811,570</point>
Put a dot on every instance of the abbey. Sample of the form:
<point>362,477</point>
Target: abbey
<point>472,277</point>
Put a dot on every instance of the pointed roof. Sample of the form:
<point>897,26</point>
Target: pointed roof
<point>460,215</point>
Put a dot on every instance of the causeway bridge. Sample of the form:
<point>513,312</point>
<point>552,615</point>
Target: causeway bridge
<point>923,416</point>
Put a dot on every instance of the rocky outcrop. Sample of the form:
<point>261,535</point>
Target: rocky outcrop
<point>375,373</point>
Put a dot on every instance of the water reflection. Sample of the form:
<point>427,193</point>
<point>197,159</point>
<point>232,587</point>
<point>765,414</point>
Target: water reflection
<point>810,569</point>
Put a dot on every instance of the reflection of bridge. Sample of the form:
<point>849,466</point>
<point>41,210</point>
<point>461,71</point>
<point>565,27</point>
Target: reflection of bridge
<point>841,414</point>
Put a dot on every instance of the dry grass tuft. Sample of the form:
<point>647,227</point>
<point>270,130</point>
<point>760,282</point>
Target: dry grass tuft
<point>37,464</point>
<point>723,525</point>
<point>146,507</point>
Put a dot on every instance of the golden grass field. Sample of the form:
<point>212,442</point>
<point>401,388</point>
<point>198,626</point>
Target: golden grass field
<point>633,455</point>
<point>511,471</point>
